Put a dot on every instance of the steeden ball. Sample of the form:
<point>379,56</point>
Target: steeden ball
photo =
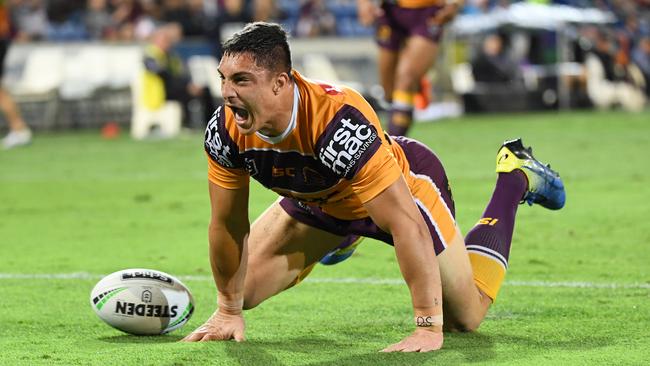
<point>142,301</point>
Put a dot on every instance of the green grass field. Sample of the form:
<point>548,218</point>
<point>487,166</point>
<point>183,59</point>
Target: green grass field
<point>74,207</point>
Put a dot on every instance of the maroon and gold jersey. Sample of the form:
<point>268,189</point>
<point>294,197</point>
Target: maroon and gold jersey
<point>336,155</point>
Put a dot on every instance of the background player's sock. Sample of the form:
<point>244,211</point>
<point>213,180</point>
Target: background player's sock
<point>488,243</point>
<point>401,113</point>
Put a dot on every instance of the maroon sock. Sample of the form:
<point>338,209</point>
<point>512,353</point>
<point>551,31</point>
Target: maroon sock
<point>400,121</point>
<point>493,233</point>
<point>395,130</point>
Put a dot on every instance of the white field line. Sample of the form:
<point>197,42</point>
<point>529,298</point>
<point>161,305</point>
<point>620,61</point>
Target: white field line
<point>351,280</point>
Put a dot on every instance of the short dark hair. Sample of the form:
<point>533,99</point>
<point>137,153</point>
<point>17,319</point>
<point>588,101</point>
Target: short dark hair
<point>266,42</point>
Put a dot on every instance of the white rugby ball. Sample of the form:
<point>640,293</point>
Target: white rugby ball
<point>142,301</point>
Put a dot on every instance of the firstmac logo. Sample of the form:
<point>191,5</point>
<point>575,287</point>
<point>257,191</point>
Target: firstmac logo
<point>346,146</point>
<point>214,143</point>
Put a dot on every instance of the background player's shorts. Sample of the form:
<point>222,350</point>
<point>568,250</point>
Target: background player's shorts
<point>397,24</point>
<point>431,192</point>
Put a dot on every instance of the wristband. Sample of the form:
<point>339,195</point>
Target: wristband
<point>428,321</point>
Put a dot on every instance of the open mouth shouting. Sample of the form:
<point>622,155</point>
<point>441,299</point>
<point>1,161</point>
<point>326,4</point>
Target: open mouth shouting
<point>241,116</point>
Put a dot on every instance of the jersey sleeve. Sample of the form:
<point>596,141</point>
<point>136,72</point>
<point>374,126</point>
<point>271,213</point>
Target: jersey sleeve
<point>376,175</point>
<point>351,147</point>
<point>226,166</point>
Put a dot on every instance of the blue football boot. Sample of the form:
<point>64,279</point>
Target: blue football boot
<point>343,252</point>
<point>544,184</point>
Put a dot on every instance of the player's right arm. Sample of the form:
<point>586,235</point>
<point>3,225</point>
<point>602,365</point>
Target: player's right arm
<point>228,235</point>
<point>367,12</point>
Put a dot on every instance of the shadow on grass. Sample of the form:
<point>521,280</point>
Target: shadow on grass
<point>567,343</point>
<point>133,339</point>
<point>472,347</point>
<point>463,347</point>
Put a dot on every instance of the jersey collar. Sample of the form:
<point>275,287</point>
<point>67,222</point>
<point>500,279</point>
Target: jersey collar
<point>292,123</point>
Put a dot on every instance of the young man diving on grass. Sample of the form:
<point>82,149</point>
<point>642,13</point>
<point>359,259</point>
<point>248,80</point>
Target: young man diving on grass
<point>322,148</point>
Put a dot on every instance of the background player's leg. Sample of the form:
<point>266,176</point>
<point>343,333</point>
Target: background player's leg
<point>387,64</point>
<point>417,56</point>
<point>281,251</point>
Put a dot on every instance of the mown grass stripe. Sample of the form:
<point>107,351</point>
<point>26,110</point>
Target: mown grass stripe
<point>351,280</point>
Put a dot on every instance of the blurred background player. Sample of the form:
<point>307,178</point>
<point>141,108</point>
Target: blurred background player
<point>408,33</point>
<point>19,134</point>
<point>166,78</point>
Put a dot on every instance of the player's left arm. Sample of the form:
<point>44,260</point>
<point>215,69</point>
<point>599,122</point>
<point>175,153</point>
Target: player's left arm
<point>448,12</point>
<point>395,211</point>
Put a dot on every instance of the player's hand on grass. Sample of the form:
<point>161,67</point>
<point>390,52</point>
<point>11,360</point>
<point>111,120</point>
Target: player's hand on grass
<point>221,326</point>
<point>422,340</point>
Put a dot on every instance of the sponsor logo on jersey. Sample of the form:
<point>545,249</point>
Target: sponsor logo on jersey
<point>150,275</point>
<point>214,144</point>
<point>283,172</point>
<point>330,89</point>
<point>156,311</point>
<point>346,146</point>
<point>251,167</point>
<point>313,177</point>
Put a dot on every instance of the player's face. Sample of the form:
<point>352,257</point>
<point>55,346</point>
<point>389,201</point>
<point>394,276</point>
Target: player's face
<point>248,91</point>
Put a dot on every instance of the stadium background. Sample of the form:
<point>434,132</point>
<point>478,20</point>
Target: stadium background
<point>72,64</point>
<point>74,205</point>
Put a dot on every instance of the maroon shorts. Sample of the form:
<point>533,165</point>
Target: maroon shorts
<point>397,24</point>
<point>423,162</point>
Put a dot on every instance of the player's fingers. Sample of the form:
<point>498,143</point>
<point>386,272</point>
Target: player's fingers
<point>411,348</point>
<point>388,349</point>
<point>193,337</point>
<point>212,337</point>
<point>394,348</point>
<point>428,348</point>
<point>239,336</point>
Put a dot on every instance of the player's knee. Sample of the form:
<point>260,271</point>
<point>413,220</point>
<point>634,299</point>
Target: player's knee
<point>249,305</point>
<point>251,297</point>
<point>250,301</point>
<point>464,324</point>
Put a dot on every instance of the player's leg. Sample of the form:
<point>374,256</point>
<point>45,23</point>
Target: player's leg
<point>415,58</point>
<point>387,64</point>
<point>281,252</point>
<point>11,111</point>
<point>464,304</point>
<point>19,133</point>
<point>487,245</point>
<point>465,301</point>
<point>473,269</point>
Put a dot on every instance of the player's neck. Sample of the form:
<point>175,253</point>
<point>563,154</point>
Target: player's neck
<point>279,123</point>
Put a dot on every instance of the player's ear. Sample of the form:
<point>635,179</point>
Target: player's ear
<point>282,80</point>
